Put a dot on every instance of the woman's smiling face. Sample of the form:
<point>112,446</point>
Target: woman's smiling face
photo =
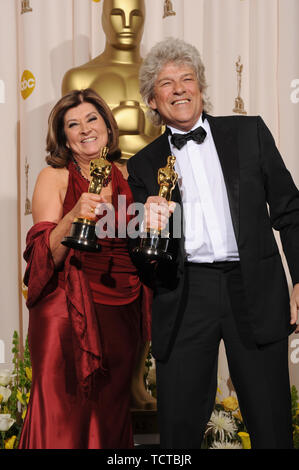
<point>85,130</point>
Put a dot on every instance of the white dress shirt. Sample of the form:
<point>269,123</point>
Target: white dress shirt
<point>208,228</point>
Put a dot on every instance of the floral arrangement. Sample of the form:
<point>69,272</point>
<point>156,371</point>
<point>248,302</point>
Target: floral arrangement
<point>14,395</point>
<point>295,416</point>
<point>226,429</point>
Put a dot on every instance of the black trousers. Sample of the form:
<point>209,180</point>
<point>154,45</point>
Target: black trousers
<point>187,381</point>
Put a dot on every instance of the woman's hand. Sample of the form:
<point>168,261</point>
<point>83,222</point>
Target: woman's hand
<point>86,206</point>
<point>294,306</point>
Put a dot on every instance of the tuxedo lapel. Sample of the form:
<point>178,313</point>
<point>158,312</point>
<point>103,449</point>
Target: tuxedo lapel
<point>225,139</point>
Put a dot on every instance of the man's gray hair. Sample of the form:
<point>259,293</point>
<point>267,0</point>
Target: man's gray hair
<point>175,51</point>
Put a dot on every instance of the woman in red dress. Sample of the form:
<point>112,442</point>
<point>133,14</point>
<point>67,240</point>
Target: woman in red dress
<point>88,312</point>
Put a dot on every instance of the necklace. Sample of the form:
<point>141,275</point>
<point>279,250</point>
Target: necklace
<point>77,166</point>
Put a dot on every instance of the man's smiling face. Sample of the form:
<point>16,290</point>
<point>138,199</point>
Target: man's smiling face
<point>177,96</point>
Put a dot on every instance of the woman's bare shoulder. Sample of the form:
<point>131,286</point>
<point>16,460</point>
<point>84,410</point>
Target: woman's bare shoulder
<point>49,194</point>
<point>54,175</point>
<point>53,179</point>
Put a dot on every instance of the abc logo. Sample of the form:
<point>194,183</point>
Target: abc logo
<point>27,84</point>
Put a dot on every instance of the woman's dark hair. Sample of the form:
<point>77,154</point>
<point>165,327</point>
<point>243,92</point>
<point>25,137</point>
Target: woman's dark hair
<point>59,153</point>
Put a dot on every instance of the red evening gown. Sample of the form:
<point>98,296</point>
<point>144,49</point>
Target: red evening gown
<point>86,322</point>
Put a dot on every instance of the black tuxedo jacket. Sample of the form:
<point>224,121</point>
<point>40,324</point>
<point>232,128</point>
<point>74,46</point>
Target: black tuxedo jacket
<point>262,196</point>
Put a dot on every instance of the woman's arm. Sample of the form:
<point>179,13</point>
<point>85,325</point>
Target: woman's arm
<point>47,205</point>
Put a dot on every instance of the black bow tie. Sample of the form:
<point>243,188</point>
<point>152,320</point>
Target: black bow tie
<point>179,140</point>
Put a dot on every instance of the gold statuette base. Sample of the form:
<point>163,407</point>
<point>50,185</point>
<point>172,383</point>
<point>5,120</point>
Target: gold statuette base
<point>153,246</point>
<point>82,236</point>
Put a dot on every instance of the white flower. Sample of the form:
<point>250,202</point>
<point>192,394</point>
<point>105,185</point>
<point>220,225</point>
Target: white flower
<point>225,445</point>
<point>5,392</point>
<point>5,377</point>
<point>221,424</point>
<point>6,421</point>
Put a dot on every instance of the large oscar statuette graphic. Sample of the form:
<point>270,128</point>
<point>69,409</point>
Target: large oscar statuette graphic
<point>154,243</point>
<point>83,236</point>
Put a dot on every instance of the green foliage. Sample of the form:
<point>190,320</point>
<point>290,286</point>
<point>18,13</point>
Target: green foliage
<point>295,416</point>
<point>19,385</point>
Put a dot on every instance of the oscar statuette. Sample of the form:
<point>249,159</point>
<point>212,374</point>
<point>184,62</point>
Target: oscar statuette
<point>154,242</point>
<point>83,236</point>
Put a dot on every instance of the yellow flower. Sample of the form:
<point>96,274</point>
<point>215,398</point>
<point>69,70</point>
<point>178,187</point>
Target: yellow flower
<point>20,397</point>
<point>24,414</point>
<point>29,373</point>
<point>27,397</point>
<point>230,403</point>
<point>245,438</point>
<point>9,443</point>
<point>1,398</point>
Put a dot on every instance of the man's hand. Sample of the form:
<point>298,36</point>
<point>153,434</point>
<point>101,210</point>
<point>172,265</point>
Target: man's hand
<point>294,304</point>
<point>157,212</point>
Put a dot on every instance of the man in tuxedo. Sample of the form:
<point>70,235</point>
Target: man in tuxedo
<point>226,279</point>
